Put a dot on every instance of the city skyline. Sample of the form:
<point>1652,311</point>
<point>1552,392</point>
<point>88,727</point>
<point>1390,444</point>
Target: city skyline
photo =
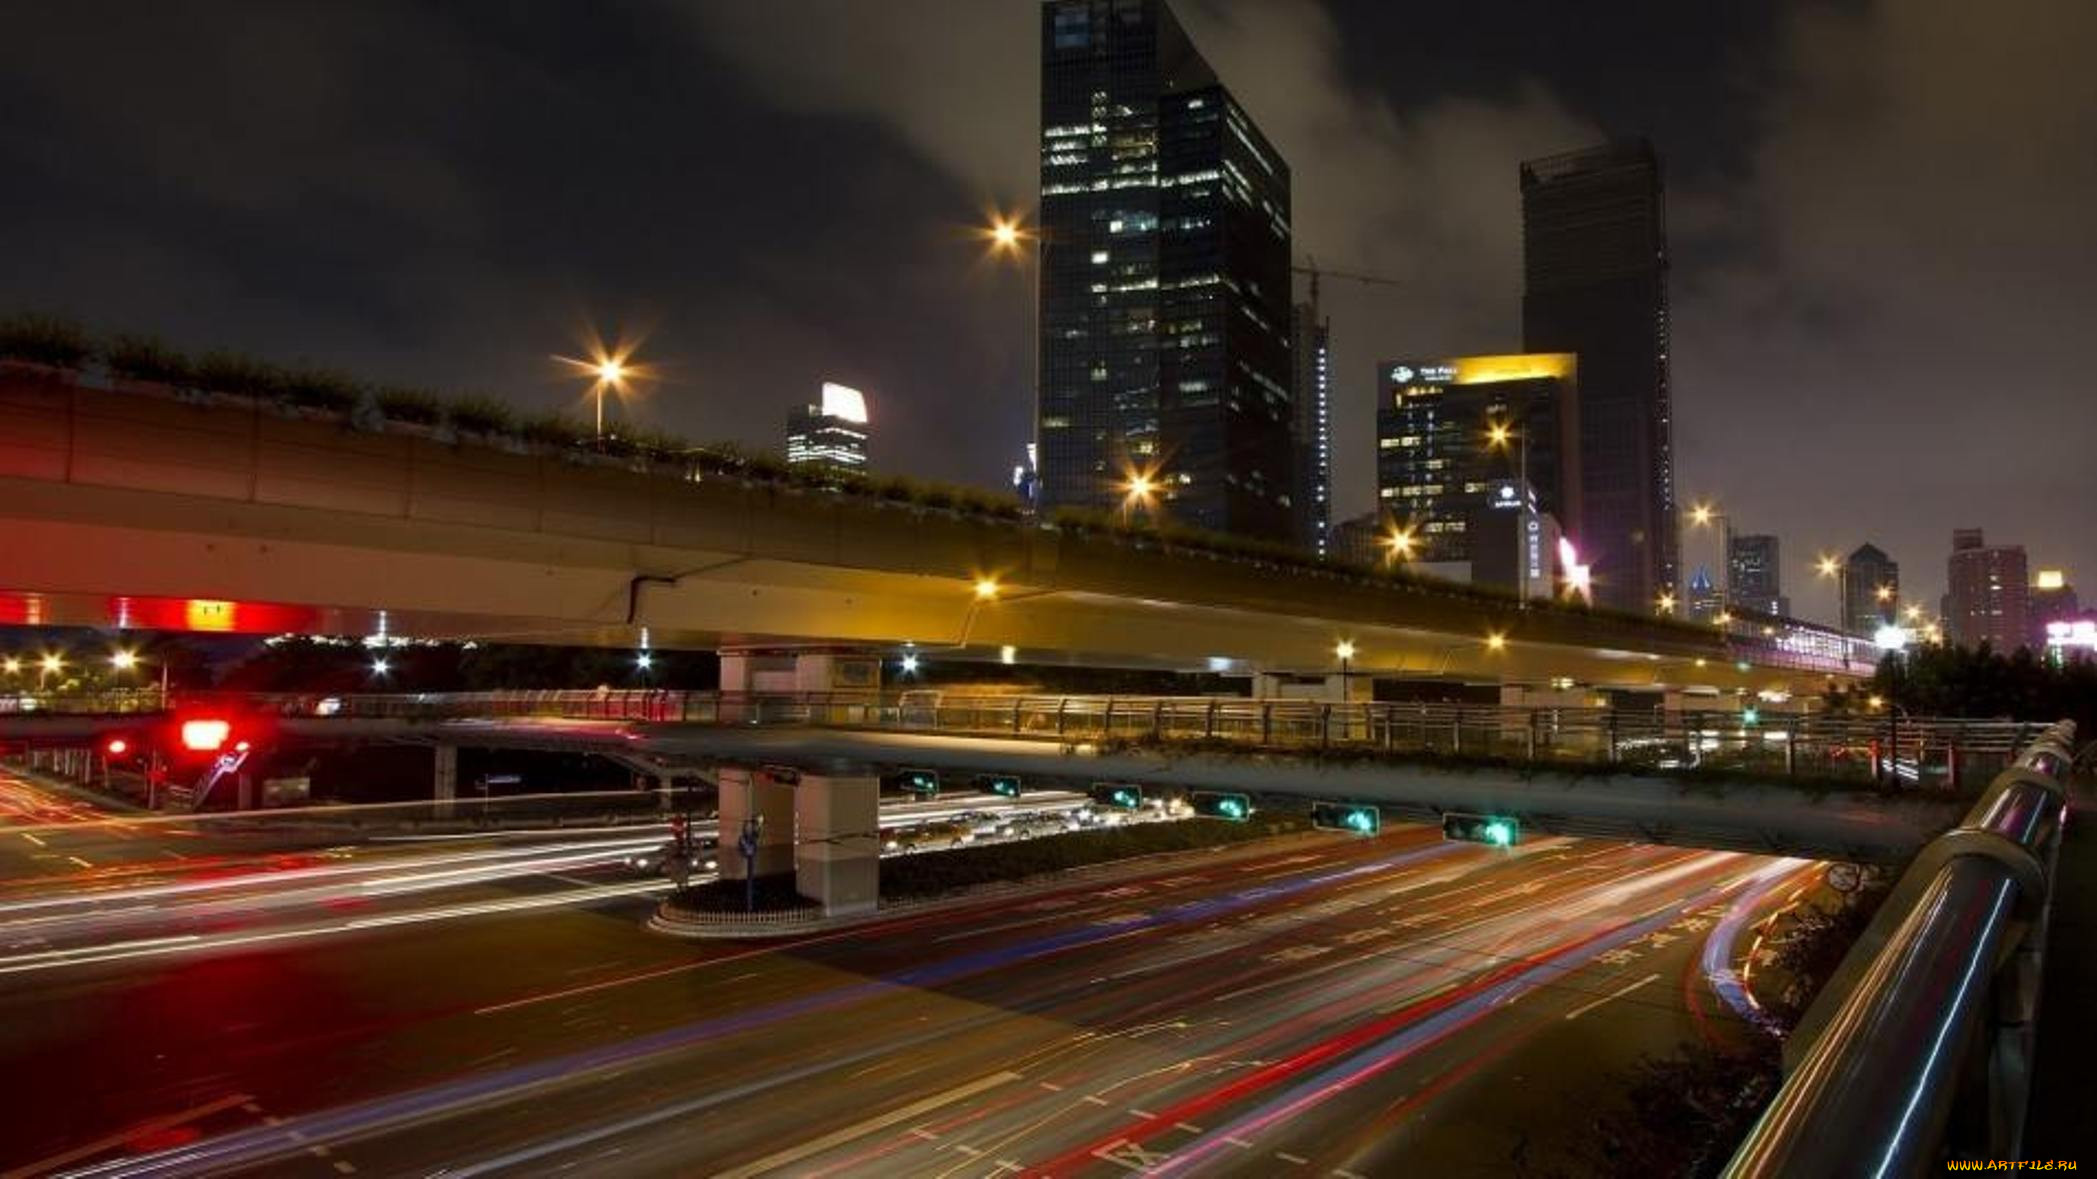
<point>240,224</point>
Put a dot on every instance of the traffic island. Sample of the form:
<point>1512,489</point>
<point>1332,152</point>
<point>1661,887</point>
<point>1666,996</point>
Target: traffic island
<point>774,907</point>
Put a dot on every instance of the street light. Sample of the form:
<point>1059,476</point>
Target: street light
<point>380,665</point>
<point>1497,437</point>
<point>1666,603</point>
<point>986,589</point>
<point>1344,651</point>
<point>1700,515</point>
<point>11,665</point>
<point>51,664</point>
<point>1398,545</point>
<point>608,369</point>
<point>1139,490</point>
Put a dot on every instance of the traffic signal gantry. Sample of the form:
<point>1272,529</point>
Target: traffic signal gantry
<point>1492,830</point>
<point>1352,817</point>
<point>1235,807</point>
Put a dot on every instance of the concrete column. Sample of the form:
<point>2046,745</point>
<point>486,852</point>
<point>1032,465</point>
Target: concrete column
<point>837,858</point>
<point>447,779</point>
<point>748,793</point>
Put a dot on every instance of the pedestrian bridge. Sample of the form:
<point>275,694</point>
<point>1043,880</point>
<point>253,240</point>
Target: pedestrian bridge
<point>1868,788</point>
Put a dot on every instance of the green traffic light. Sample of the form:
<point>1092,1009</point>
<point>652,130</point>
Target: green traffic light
<point>1499,834</point>
<point>1749,716</point>
<point>1360,821</point>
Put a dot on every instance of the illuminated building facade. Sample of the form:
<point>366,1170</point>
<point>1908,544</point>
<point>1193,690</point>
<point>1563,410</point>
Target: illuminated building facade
<point>2052,600</point>
<point>1990,596</point>
<point>1436,459</point>
<point>830,436</point>
<point>1515,545</point>
<point>1595,265</point>
<point>1756,575</point>
<point>1165,296</point>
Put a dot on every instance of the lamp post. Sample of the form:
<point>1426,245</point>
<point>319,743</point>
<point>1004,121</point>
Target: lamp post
<point>1007,236</point>
<point>1497,437</point>
<point>1829,566</point>
<point>610,374</point>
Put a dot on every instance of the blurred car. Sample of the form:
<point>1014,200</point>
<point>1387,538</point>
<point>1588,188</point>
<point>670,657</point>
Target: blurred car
<point>657,861</point>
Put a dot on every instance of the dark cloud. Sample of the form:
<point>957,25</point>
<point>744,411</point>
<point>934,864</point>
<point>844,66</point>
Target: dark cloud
<point>1879,213</point>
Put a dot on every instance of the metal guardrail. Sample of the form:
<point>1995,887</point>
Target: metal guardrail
<point>1937,1001</point>
<point>1928,752</point>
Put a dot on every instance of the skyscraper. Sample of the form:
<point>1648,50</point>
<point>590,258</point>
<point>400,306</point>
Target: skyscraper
<point>1990,596</point>
<point>1165,300</point>
<point>1757,575</point>
<point>1311,349</point>
<point>1870,590</point>
<point>830,436</point>
<point>1436,421</point>
<point>1594,261</point>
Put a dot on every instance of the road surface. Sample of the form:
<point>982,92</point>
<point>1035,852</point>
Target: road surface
<point>1322,1006</point>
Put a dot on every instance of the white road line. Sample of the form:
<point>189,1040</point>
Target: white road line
<point>815,1146</point>
<point>1286,1157</point>
<point>1583,1009</point>
<point>1186,1127</point>
<point>1240,1143</point>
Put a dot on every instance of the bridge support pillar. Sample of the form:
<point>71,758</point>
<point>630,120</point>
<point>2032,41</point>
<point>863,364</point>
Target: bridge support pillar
<point>837,859</point>
<point>747,794</point>
<point>446,775</point>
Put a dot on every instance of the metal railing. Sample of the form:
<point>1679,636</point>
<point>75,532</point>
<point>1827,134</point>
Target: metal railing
<point>1941,753</point>
<point>20,701</point>
<point>1937,1001</point>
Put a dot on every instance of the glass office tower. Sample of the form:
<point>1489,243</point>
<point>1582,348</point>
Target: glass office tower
<point>1594,261</point>
<point>1165,300</point>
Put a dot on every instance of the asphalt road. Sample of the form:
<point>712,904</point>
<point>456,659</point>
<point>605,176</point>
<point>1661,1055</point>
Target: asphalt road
<point>1326,1007</point>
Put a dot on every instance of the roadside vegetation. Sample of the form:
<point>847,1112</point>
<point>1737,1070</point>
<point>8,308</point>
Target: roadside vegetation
<point>1685,1113</point>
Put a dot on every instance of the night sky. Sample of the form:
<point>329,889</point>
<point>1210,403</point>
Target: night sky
<point>1883,217</point>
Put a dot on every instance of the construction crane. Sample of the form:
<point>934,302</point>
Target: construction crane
<point>1311,268</point>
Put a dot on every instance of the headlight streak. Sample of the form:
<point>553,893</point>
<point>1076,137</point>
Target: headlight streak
<point>326,1127</point>
<point>1351,1057</point>
<point>209,900</point>
<point>197,943</point>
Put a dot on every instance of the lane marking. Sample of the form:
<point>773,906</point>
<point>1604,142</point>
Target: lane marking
<point>119,1138</point>
<point>915,1109</point>
<point>1579,1011</point>
<point>1297,1159</point>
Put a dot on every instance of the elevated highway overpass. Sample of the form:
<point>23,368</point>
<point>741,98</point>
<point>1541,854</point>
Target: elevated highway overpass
<point>143,507</point>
